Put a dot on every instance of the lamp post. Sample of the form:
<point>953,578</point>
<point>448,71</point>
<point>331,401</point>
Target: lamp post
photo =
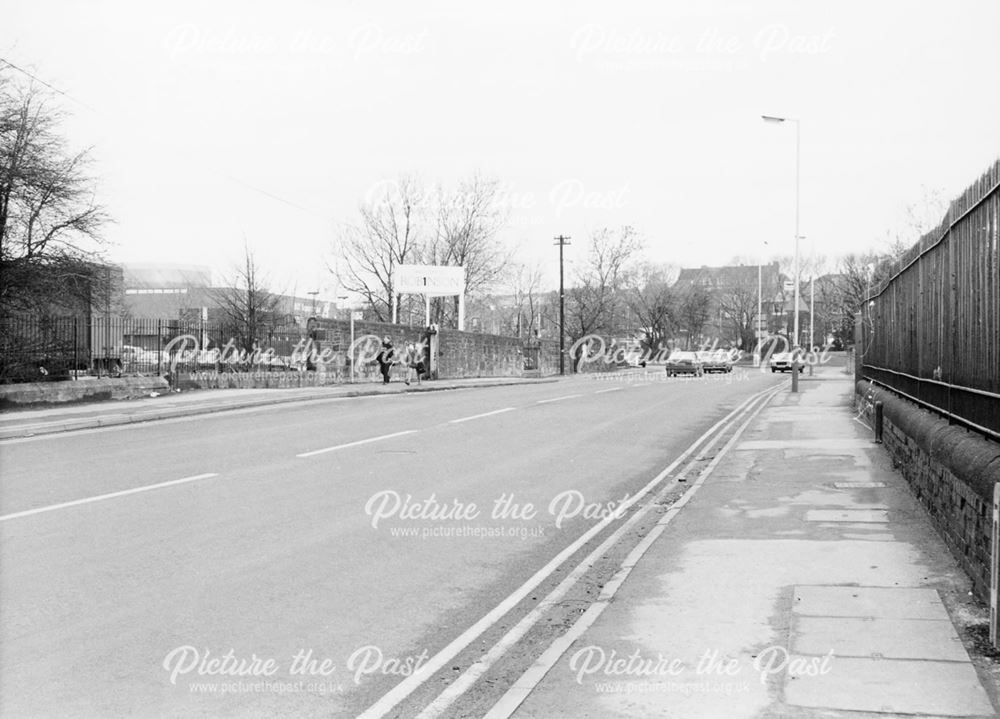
<point>772,118</point>
<point>760,310</point>
<point>562,241</point>
<point>812,297</point>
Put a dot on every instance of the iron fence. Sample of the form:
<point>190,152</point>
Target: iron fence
<point>38,348</point>
<point>931,331</point>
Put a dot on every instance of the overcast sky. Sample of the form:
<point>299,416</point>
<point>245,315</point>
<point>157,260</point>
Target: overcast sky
<point>212,121</point>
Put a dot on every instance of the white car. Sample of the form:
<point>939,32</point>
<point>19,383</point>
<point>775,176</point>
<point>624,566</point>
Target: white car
<point>782,361</point>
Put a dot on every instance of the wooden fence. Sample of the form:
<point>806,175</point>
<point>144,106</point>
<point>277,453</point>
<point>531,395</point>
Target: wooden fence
<point>931,331</point>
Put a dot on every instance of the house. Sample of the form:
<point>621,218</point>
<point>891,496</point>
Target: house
<point>735,293</point>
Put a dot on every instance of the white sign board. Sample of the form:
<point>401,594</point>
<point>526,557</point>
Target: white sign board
<point>430,280</point>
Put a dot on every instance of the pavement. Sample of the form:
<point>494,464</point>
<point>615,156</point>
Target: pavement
<point>29,422</point>
<point>801,579</point>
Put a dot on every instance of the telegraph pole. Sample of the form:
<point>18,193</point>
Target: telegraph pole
<point>562,241</point>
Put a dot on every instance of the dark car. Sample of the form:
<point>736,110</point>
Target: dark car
<point>681,362</point>
<point>716,361</point>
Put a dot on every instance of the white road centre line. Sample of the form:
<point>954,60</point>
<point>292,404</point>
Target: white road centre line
<point>101,497</point>
<point>558,399</point>
<point>359,442</point>
<point>610,389</point>
<point>484,414</point>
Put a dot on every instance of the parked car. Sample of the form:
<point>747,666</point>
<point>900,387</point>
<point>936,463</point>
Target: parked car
<point>681,362</point>
<point>716,361</point>
<point>634,358</point>
<point>782,362</point>
<point>139,359</point>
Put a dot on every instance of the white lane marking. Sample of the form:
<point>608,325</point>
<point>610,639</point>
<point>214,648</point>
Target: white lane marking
<point>355,444</point>
<point>484,414</point>
<point>558,399</point>
<point>480,667</point>
<point>101,497</point>
<point>408,685</point>
<point>527,682</point>
<point>612,389</point>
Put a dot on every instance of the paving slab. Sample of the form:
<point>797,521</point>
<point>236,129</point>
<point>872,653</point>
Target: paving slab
<point>822,445</point>
<point>949,689</point>
<point>879,602</point>
<point>847,515</point>
<point>878,638</point>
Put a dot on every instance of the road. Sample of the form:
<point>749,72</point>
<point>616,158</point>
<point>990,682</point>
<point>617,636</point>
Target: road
<point>330,548</point>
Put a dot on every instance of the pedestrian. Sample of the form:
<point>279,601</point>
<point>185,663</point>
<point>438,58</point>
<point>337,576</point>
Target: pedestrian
<point>385,358</point>
<point>413,360</point>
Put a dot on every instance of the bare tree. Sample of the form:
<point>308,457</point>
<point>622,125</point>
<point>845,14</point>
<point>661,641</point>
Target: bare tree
<point>49,220</point>
<point>597,295</point>
<point>389,234</point>
<point>247,302</point>
<point>654,304</point>
<point>525,284</point>
<point>466,235</point>
<point>738,304</point>
<point>693,310</point>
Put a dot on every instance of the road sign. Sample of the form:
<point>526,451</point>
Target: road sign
<point>430,280</point>
<point>357,315</point>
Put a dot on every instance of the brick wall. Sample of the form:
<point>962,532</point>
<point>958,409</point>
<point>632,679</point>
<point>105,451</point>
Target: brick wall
<point>950,470</point>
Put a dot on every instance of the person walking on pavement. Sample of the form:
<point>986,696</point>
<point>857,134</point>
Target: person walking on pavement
<point>413,360</point>
<point>385,358</point>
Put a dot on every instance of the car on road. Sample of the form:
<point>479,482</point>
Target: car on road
<point>716,361</point>
<point>782,361</point>
<point>681,362</point>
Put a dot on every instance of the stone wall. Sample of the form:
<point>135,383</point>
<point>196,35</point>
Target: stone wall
<point>460,354</point>
<point>951,471</point>
<point>88,389</point>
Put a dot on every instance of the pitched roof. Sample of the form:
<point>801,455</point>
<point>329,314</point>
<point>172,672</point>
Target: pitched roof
<point>728,276</point>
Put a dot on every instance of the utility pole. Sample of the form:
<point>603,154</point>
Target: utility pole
<point>562,241</point>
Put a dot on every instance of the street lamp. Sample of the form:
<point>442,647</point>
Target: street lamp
<point>772,118</point>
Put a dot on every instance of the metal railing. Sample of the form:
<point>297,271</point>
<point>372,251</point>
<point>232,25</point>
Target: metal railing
<point>39,348</point>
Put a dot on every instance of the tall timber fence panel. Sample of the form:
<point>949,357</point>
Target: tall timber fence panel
<point>931,331</point>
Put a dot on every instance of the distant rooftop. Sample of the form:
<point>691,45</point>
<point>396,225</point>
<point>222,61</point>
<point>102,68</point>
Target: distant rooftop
<point>166,276</point>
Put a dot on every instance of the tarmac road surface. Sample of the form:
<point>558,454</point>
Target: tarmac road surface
<point>300,560</point>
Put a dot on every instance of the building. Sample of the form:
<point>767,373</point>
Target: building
<point>734,294</point>
<point>186,292</point>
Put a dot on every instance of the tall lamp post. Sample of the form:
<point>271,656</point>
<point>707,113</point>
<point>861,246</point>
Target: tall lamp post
<point>562,241</point>
<point>795,366</point>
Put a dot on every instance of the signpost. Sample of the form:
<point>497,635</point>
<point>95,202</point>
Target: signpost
<point>355,315</point>
<point>430,281</point>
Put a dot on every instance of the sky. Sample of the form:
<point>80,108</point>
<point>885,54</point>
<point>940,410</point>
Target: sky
<point>215,124</point>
